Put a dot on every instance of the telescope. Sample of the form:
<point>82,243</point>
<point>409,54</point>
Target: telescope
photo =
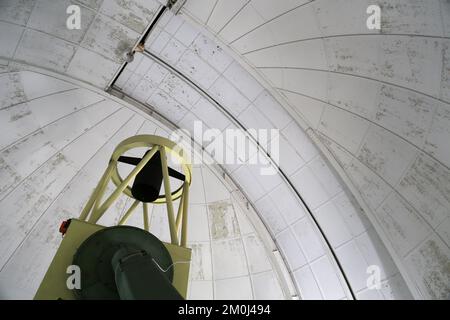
<point>126,262</point>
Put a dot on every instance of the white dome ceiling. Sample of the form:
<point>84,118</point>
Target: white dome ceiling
<point>363,118</point>
<point>55,145</point>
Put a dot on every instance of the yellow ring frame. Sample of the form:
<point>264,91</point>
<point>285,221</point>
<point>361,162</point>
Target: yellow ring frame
<point>148,141</point>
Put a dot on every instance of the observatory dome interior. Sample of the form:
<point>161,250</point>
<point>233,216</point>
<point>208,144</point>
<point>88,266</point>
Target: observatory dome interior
<point>341,189</point>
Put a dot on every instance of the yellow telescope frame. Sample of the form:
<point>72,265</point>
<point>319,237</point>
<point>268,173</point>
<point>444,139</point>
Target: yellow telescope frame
<point>95,208</point>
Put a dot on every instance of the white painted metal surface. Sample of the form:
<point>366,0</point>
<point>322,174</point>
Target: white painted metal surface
<point>378,101</point>
<point>58,145</point>
<point>240,94</point>
<point>35,32</point>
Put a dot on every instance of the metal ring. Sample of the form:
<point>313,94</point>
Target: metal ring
<point>149,141</point>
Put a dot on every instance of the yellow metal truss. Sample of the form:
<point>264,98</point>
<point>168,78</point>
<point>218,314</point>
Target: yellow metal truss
<point>95,208</point>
